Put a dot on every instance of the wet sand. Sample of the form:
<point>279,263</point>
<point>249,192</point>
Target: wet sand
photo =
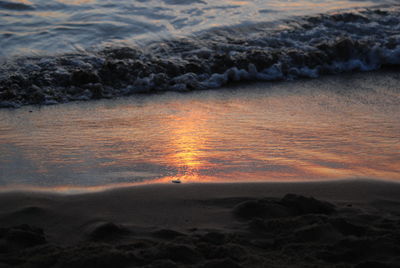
<point>346,223</point>
<point>335,127</point>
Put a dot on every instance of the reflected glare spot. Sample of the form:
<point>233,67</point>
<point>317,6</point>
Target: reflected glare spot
<point>187,142</point>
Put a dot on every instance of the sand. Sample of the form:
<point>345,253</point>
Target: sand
<point>348,223</point>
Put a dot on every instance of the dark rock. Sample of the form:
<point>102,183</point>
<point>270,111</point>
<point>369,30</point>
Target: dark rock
<point>307,205</point>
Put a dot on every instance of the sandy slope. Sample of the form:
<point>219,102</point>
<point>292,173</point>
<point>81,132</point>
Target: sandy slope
<point>206,225</point>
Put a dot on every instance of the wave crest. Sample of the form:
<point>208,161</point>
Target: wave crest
<point>306,47</point>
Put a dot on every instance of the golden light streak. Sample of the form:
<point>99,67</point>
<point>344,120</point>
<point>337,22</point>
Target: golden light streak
<point>188,138</point>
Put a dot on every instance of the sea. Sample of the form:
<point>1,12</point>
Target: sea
<point>98,94</point>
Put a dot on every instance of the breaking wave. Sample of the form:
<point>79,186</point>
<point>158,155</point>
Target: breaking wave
<point>361,40</point>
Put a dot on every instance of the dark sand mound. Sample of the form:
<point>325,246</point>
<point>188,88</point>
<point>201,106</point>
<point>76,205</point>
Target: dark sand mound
<point>233,230</point>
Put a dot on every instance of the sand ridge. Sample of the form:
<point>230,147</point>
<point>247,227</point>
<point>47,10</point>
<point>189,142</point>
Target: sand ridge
<point>354,223</point>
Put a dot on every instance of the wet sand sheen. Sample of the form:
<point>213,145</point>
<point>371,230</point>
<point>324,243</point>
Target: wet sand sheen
<point>330,128</point>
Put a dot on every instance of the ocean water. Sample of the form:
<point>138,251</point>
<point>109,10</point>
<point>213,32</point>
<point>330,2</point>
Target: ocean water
<point>61,51</point>
<point>54,26</point>
<point>172,93</point>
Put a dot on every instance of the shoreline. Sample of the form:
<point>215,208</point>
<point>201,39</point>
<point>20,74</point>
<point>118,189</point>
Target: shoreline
<point>186,220</point>
<point>385,70</point>
<point>67,190</point>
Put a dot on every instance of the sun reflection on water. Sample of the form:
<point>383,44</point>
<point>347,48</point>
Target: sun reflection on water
<point>188,143</point>
<point>251,135</point>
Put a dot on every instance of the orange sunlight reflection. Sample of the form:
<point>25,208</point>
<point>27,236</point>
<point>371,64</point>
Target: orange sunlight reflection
<point>188,134</point>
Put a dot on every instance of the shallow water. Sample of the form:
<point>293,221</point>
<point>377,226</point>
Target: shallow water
<point>47,27</point>
<point>330,128</point>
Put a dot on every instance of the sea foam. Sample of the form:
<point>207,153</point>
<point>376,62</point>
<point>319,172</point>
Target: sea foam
<point>306,47</point>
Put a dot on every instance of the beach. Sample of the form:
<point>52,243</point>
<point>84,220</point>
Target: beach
<point>271,175</point>
<point>199,133</point>
<point>346,223</point>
